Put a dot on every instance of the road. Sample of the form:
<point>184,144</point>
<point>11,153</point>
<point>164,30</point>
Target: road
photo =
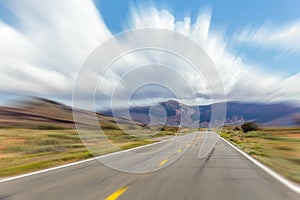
<point>224,174</point>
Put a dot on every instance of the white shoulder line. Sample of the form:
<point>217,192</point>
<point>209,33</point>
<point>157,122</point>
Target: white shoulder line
<point>289,184</point>
<point>78,162</point>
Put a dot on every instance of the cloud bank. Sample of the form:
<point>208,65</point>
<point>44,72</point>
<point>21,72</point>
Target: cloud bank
<point>241,80</point>
<point>42,53</point>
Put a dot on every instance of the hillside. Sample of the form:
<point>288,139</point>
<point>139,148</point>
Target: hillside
<point>275,114</point>
<point>38,133</point>
<point>38,113</point>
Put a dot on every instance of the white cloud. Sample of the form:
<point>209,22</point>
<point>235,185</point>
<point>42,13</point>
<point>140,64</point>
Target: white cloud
<point>241,81</point>
<point>44,53</point>
<point>283,37</point>
<point>150,17</point>
<point>289,89</point>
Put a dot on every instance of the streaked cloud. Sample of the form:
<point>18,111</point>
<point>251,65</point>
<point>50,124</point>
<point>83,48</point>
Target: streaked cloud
<point>283,37</point>
<point>42,54</point>
<point>241,80</point>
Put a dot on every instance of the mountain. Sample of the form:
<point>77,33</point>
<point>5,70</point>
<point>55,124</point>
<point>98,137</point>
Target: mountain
<point>39,113</point>
<point>275,114</point>
<point>46,114</point>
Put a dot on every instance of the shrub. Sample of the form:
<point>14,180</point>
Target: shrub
<point>170,128</point>
<point>236,129</point>
<point>249,126</point>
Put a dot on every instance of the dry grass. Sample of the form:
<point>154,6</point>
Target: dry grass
<point>38,133</point>
<point>25,150</point>
<point>278,148</point>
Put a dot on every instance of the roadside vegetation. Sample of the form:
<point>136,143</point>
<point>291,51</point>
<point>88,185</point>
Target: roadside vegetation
<point>29,149</point>
<point>40,133</point>
<point>277,147</point>
<point>249,126</point>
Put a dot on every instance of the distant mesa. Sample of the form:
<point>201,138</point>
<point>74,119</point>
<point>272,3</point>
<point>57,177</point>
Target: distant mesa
<point>273,114</point>
<point>39,113</point>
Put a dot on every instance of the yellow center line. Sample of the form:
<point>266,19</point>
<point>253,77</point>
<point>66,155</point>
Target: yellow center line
<point>188,145</point>
<point>163,162</point>
<point>117,193</point>
<point>179,150</point>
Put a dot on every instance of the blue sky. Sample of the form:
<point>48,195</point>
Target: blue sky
<point>230,15</point>
<point>255,45</point>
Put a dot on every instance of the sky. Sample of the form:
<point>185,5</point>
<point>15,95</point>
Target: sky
<point>255,46</point>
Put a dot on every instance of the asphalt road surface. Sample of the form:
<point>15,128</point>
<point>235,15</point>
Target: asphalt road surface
<point>224,174</point>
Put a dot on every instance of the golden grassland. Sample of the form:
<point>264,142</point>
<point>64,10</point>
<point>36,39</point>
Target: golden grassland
<point>38,134</point>
<point>25,150</point>
<point>277,147</point>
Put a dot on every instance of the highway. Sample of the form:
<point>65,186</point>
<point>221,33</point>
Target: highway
<point>224,174</point>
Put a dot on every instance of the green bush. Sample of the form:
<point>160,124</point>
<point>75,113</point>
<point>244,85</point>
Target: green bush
<point>249,126</point>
